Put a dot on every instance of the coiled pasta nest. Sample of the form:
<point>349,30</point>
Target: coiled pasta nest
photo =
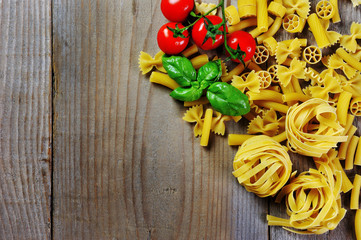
<point>262,166</point>
<point>312,128</point>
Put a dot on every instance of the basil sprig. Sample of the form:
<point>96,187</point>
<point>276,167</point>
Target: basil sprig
<point>223,97</point>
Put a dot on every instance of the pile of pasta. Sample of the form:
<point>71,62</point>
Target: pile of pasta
<point>310,112</point>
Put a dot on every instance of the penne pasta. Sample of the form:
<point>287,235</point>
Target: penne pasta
<point>350,153</point>
<point>355,193</point>
<point>163,79</point>
<point>206,127</point>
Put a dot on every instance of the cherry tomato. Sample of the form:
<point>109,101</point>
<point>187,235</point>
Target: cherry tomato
<point>200,30</point>
<point>169,43</point>
<point>176,10</point>
<point>245,41</point>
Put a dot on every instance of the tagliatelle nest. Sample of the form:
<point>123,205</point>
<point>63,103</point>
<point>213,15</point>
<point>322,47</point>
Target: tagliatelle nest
<point>262,166</point>
<point>312,128</point>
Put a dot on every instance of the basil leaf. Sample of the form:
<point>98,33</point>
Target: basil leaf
<point>227,99</point>
<point>210,72</point>
<point>186,94</point>
<point>180,69</point>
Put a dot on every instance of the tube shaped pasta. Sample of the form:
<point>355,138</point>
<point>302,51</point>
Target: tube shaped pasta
<point>358,224</point>
<point>336,17</point>
<point>350,154</point>
<point>349,122</point>
<point>265,94</point>
<point>163,79</point>
<point>342,151</point>
<point>355,193</point>
<point>232,15</point>
<point>271,31</point>
<point>277,9</point>
<point>276,106</point>
<point>354,62</point>
<point>202,100</point>
<point>253,66</point>
<point>199,61</point>
<point>206,127</point>
<point>342,107</point>
<point>358,154</point>
<point>190,51</point>
<point>262,15</point>
<point>235,71</point>
<point>262,166</point>
<point>238,139</point>
<point>303,42</point>
<point>290,97</point>
<point>346,183</point>
<point>318,31</point>
<point>256,32</point>
<point>249,22</point>
<point>271,44</point>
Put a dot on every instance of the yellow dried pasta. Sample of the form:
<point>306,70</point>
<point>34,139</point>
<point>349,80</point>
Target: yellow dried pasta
<point>203,8</point>
<point>262,166</point>
<point>276,9</point>
<point>283,51</point>
<point>232,15</point>
<point>301,7</point>
<point>312,128</point>
<point>146,62</point>
<point>252,82</point>
<point>312,202</point>
<point>296,70</point>
<point>194,115</point>
<point>267,124</point>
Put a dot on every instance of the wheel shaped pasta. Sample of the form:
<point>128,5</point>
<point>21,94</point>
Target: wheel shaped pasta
<point>312,54</point>
<point>262,166</point>
<point>312,128</point>
<point>273,72</point>
<point>261,55</point>
<point>293,23</point>
<point>325,9</point>
<point>355,106</point>
<point>265,79</point>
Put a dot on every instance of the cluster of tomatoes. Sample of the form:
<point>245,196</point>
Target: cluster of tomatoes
<point>207,32</point>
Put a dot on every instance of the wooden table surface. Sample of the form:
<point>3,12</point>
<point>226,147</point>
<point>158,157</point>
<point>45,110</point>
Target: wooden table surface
<point>90,149</point>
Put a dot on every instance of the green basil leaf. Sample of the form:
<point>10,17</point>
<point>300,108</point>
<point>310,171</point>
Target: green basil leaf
<point>180,69</point>
<point>186,94</point>
<point>227,99</point>
<point>210,72</point>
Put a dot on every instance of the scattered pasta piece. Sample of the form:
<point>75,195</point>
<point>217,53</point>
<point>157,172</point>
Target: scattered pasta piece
<point>349,41</point>
<point>261,55</point>
<point>358,216</point>
<point>283,51</point>
<point>312,54</point>
<point>163,79</point>
<point>355,106</point>
<point>296,70</point>
<point>247,8</point>
<point>232,15</point>
<point>312,128</point>
<point>329,85</point>
<point>265,79</point>
<point>342,151</point>
<point>146,62</point>
<point>217,125</point>
<point>336,62</point>
<point>262,15</point>
<point>358,154</point>
<point>293,23</point>
<point>206,127</point>
<point>252,82</point>
<point>355,193</point>
<point>276,9</point>
<point>349,161</point>
<point>318,31</point>
<point>267,124</point>
<point>194,114</point>
<point>301,7</point>
<point>325,9</point>
<point>203,8</point>
<point>349,59</point>
<point>262,166</point>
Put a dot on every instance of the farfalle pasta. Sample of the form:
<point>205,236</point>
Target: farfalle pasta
<point>286,74</point>
<point>218,126</point>
<point>283,51</point>
<point>146,62</point>
<point>262,166</point>
<point>312,128</point>
<point>336,62</point>
<point>301,7</point>
<point>267,124</point>
<point>194,115</point>
<point>328,85</point>
<point>252,82</point>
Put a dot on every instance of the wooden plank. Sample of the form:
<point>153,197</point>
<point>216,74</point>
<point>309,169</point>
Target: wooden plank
<point>25,119</point>
<point>126,165</point>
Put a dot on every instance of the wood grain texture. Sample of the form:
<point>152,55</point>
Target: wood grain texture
<point>126,166</point>
<point>25,119</point>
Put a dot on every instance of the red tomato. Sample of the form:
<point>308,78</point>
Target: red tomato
<point>176,10</point>
<point>245,41</point>
<point>169,43</point>
<point>199,33</point>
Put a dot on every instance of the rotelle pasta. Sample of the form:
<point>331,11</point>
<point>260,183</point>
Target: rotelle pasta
<point>312,128</point>
<point>262,166</point>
